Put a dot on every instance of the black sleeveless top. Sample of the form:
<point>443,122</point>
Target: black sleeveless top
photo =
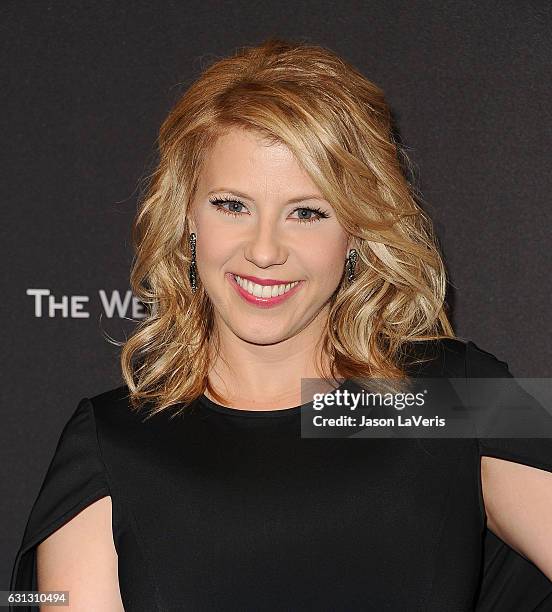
<point>225,509</point>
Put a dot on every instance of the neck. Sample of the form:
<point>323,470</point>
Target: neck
<point>269,376</point>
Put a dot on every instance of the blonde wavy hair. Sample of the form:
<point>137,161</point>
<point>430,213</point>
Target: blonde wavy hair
<point>338,125</point>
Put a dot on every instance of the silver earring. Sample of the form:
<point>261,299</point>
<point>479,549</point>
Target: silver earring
<point>351,263</point>
<point>193,268</point>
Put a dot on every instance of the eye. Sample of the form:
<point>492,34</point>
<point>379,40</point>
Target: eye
<point>220,202</point>
<point>321,215</point>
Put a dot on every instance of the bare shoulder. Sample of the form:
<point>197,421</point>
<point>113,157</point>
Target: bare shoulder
<point>80,557</point>
<point>518,503</point>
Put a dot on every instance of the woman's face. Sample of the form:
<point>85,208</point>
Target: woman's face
<point>268,238</point>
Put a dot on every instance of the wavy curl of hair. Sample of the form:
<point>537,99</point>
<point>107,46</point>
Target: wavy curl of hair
<point>339,126</point>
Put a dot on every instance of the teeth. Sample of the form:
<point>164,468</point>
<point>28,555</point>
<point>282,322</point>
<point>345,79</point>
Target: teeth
<point>263,291</point>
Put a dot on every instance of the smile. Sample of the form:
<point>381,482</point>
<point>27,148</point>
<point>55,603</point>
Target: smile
<point>263,295</point>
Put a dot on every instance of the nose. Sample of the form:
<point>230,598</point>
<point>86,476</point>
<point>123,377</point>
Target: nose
<point>264,248</point>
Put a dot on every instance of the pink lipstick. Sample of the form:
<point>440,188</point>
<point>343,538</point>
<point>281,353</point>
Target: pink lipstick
<point>263,302</point>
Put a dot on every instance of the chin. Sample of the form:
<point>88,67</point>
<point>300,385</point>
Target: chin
<point>261,335</point>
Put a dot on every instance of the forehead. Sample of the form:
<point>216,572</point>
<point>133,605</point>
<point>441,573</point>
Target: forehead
<point>247,160</point>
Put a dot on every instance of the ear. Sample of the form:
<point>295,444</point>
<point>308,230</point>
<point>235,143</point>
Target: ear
<point>191,224</point>
<point>349,244</point>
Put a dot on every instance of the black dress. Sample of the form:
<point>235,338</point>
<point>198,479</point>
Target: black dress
<point>224,509</point>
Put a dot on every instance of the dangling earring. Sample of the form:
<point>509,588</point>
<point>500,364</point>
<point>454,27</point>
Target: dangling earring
<point>193,267</point>
<point>351,263</point>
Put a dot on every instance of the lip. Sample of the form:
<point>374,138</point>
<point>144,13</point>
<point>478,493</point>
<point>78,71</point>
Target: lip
<point>263,302</point>
<point>264,281</point>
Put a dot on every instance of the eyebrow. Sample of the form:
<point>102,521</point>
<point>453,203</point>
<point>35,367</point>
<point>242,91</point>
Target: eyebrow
<point>245,196</point>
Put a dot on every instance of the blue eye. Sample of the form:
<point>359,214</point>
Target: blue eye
<point>220,203</point>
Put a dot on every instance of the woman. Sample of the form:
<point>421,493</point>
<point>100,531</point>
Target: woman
<point>280,241</point>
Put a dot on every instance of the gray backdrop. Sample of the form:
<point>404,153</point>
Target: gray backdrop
<point>85,89</point>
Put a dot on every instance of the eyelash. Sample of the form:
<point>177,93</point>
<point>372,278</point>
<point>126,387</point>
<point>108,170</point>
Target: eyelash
<point>218,203</point>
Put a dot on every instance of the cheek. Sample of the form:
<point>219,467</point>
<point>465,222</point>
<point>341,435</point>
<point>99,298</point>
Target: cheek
<point>214,242</point>
<point>213,249</point>
<point>326,259</point>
